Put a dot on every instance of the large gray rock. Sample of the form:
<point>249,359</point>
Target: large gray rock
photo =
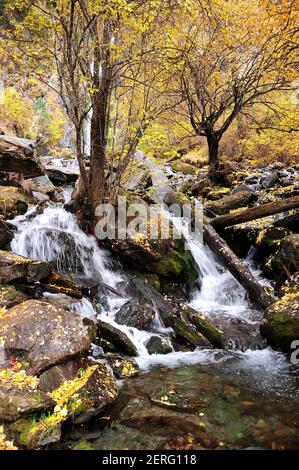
<point>39,334</point>
<point>17,267</point>
<point>117,338</point>
<point>19,156</point>
<point>137,314</point>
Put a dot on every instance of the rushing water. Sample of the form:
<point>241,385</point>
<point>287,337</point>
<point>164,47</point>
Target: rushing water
<point>257,376</point>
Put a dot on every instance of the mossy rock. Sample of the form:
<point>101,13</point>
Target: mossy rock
<point>182,167</point>
<point>12,202</point>
<point>9,296</point>
<point>211,333</point>
<point>281,322</point>
<point>158,345</point>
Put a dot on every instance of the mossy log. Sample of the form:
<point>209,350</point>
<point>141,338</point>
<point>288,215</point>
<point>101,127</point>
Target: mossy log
<point>238,269</point>
<point>258,212</point>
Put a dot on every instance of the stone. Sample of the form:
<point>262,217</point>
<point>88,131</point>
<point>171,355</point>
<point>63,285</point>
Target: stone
<point>201,187</point>
<point>118,338</point>
<point>62,284</point>
<point>137,314</point>
<point>43,184</point>
<point>280,325</point>
<point>270,180</point>
<point>6,233</point>
<point>19,156</point>
<point>9,296</point>
<point>14,267</point>
<point>39,334</point>
<point>62,175</point>
<point>182,167</point>
<point>123,368</point>
<point>159,345</point>
<point>289,252</point>
<point>40,197</point>
<point>12,202</point>
<point>20,395</point>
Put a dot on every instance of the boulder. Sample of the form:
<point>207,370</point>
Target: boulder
<point>17,267</point>
<point>201,187</point>
<point>118,338</point>
<point>289,252</point>
<point>62,175</point>
<point>43,184</point>
<point>291,286</point>
<point>19,156</point>
<point>182,167</point>
<point>40,197</point>
<point>6,233</point>
<point>39,334</point>
<point>280,324</point>
<point>159,345</point>
<point>78,400</point>
<point>20,395</point>
<point>12,202</point>
<point>135,313</point>
<point>270,180</point>
<point>9,296</point>
<point>230,202</point>
<point>123,368</point>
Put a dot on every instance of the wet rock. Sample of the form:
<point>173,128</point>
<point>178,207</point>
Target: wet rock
<point>6,233</point>
<point>137,314</point>
<point>20,395</point>
<point>291,222</point>
<point>182,167</point>
<point>291,286</point>
<point>14,267</point>
<point>39,334</point>
<point>233,201</point>
<point>12,202</point>
<point>270,180</point>
<point>289,252</point>
<point>118,338</point>
<point>19,156</point>
<point>173,400</point>
<point>241,188</point>
<point>281,322</point>
<point>54,377</point>
<point>123,368</point>
<point>211,333</point>
<point>159,345</point>
<point>188,332</point>
<point>9,296</point>
<point>167,258</point>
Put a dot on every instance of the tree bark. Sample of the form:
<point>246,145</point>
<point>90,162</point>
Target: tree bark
<point>213,144</point>
<point>256,292</point>
<point>257,212</point>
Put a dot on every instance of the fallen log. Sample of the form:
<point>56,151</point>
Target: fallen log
<point>256,291</point>
<point>258,212</point>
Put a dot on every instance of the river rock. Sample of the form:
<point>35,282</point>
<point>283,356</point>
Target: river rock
<point>19,156</point>
<point>122,367</point>
<point>12,202</point>
<point>20,395</point>
<point>43,184</point>
<point>281,322</point>
<point>270,180</point>
<point>9,296</point>
<point>201,187</point>
<point>62,175</point>
<point>14,267</point>
<point>40,334</point>
<point>159,345</point>
<point>118,338</point>
<point>289,252</point>
<point>6,233</point>
<point>182,167</point>
<point>135,313</point>
<point>230,202</point>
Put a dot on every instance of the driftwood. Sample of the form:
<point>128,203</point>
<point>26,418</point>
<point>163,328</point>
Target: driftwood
<point>257,212</point>
<point>256,292</point>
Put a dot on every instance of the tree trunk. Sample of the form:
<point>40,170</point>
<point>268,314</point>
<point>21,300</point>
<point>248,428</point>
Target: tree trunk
<point>213,144</point>
<point>257,212</point>
<point>97,157</point>
<point>256,292</point>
